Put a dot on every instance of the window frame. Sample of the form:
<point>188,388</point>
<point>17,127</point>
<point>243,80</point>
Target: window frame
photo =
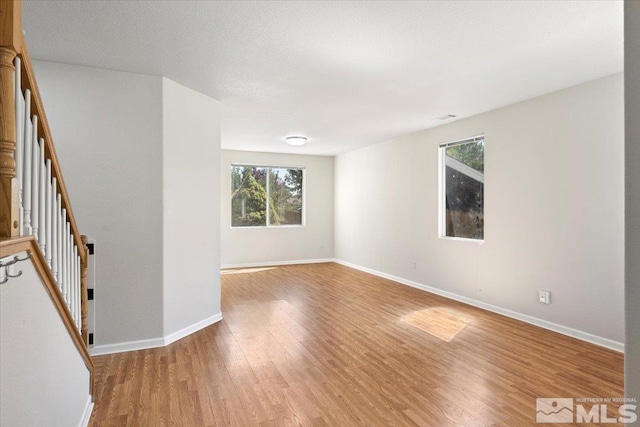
<point>268,210</point>
<point>442,190</point>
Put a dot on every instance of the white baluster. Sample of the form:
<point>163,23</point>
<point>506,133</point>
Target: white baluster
<point>54,230</point>
<point>69,276</point>
<point>19,121</point>
<point>79,288</point>
<point>72,294</point>
<point>42,196</point>
<point>75,283</point>
<point>26,171</point>
<point>41,211</point>
<point>69,272</point>
<point>20,215</point>
<point>35,179</point>
<point>49,215</point>
<point>19,105</point>
<point>63,269</point>
<point>60,244</point>
<point>72,285</point>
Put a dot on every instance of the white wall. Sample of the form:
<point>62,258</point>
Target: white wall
<point>554,205</point>
<point>632,124</point>
<point>314,241</point>
<point>140,157</point>
<point>191,200</point>
<point>107,129</point>
<point>44,379</point>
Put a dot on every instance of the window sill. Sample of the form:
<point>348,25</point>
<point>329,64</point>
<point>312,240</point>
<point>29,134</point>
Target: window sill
<point>462,239</point>
<point>276,227</point>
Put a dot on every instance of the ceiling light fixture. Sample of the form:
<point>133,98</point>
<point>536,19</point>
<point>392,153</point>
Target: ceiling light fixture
<point>296,141</point>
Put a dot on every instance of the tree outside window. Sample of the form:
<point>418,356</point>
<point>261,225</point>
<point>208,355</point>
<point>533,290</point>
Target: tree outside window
<point>266,196</point>
<point>463,189</point>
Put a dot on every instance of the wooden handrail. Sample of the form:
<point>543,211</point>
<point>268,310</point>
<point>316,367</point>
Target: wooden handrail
<point>12,45</point>
<point>12,42</point>
<point>37,108</point>
<point>29,244</point>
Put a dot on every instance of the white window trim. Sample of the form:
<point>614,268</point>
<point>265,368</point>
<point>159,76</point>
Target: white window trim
<point>443,162</point>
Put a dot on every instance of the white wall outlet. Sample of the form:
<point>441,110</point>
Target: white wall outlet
<point>544,297</point>
<point>413,265</point>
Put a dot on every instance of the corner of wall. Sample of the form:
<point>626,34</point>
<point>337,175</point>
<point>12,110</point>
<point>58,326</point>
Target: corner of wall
<point>190,209</point>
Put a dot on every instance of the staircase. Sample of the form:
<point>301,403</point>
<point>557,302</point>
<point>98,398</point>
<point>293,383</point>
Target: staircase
<point>38,230</point>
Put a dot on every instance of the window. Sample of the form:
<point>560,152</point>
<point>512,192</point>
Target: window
<point>266,196</point>
<point>462,189</point>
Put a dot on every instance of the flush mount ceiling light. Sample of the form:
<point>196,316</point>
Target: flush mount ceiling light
<point>296,141</point>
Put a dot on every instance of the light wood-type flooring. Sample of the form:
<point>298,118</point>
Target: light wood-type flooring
<point>326,345</point>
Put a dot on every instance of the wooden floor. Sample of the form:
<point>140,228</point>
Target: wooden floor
<point>327,345</point>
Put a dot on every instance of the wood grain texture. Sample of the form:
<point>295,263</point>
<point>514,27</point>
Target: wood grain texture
<point>84,294</point>
<point>12,42</point>
<point>439,322</point>
<point>9,203</point>
<point>323,344</point>
<point>11,24</point>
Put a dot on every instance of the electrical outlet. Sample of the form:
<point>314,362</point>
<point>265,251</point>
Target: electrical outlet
<point>413,265</point>
<point>544,297</point>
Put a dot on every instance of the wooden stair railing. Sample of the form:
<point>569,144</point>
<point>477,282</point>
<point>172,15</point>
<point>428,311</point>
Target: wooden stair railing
<point>58,249</point>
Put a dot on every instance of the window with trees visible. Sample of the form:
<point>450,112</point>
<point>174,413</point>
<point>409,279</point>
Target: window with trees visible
<point>266,196</point>
<point>462,189</point>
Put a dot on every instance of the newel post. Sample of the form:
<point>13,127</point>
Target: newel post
<point>84,293</point>
<point>10,44</point>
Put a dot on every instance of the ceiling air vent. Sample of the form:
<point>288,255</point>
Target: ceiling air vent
<point>445,117</point>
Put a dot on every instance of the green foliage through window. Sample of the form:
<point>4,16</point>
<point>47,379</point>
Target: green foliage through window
<point>262,196</point>
<point>463,210</point>
<point>471,154</point>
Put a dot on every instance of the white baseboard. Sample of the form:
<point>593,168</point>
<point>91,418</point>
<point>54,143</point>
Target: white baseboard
<point>121,347</point>
<point>86,415</point>
<point>276,263</point>
<point>192,328</point>
<point>581,335</point>
<point>154,342</point>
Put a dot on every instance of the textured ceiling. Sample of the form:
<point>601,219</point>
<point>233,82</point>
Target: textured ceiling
<point>345,74</point>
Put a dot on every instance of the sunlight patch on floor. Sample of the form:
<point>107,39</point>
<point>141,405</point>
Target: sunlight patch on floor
<point>439,322</point>
<point>245,270</point>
